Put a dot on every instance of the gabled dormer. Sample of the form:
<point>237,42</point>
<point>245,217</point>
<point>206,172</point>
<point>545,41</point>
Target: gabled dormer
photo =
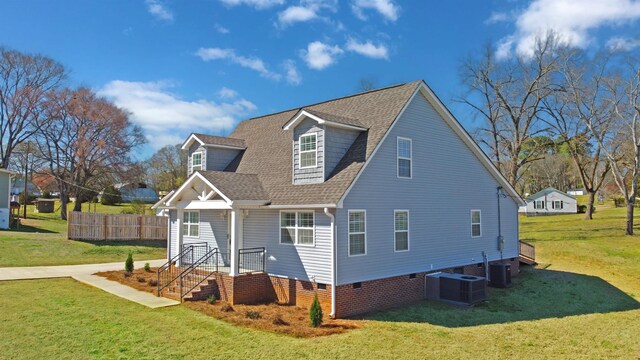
<point>211,153</point>
<point>320,140</point>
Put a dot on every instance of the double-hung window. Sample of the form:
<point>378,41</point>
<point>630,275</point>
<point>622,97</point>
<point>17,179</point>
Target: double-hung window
<point>357,232</point>
<point>196,161</point>
<point>557,204</point>
<point>308,151</point>
<point>404,158</point>
<point>476,223</point>
<point>191,224</point>
<point>296,227</point>
<point>401,229</point>
<point>538,204</point>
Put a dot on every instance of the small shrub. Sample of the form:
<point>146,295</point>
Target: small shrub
<point>30,199</point>
<point>153,282</point>
<point>141,279</point>
<point>147,267</point>
<point>253,315</point>
<point>279,321</point>
<point>315,312</point>
<point>226,307</point>
<point>212,299</point>
<point>46,194</point>
<point>128,265</point>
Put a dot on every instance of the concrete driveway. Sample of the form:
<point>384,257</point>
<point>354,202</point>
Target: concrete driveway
<point>84,273</point>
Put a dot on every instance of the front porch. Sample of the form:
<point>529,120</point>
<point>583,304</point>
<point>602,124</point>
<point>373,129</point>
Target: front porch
<point>199,271</point>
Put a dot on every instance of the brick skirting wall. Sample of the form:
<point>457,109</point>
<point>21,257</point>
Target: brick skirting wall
<point>370,296</point>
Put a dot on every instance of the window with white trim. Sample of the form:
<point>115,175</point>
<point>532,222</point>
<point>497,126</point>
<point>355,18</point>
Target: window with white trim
<point>538,204</point>
<point>191,223</point>
<point>476,223</point>
<point>297,227</point>
<point>357,232</point>
<point>308,151</point>
<point>404,158</point>
<point>196,161</point>
<point>401,230</point>
<point>557,204</point>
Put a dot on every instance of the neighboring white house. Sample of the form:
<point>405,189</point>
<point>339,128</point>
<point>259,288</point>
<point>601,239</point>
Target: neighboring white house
<point>349,198</point>
<point>577,192</point>
<point>550,201</point>
<point>5,197</point>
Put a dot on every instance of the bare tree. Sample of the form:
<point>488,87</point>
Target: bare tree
<point>87,144</point>
<point>582,98</point>
<point>507,94</point>
<point>167,168</point>
<point>25,81</point>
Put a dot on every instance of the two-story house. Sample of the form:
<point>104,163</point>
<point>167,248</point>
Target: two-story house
<point>356,198</point>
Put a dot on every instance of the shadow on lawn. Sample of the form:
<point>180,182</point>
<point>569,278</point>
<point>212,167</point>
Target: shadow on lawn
<point>33,229</point>
<point>535,294</point>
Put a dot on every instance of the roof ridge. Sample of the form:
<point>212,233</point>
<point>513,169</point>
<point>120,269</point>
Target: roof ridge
<point>331,100</point>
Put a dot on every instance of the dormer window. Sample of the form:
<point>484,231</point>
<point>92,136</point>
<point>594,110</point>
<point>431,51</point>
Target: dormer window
<point>308,151</point>
<point>196,161</point>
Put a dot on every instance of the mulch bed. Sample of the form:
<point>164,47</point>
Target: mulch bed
<point>139,279</point>
<point>283,319</point>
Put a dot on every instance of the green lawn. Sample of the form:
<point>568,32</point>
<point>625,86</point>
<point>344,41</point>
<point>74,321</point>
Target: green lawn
<point>581,303</point>
<point>42,240</point>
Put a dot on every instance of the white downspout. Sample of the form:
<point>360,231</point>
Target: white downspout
<point>333,262</point>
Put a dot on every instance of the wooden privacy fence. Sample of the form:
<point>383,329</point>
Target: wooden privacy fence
<point>93,226</point>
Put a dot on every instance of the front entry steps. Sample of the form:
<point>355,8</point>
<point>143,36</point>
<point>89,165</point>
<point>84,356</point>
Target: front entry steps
<point>200,292</point>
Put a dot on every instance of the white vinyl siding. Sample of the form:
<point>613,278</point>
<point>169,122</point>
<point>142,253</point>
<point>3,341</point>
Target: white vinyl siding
<point>308,151</point>
<point>476,223</point>
<point>297,227</point>
<point>357,232</point>
<point>196,161</point>
<point>405,165</point>
<point>191,224</point>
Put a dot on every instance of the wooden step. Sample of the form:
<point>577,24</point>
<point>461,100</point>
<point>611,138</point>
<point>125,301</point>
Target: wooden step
<point>527,260</point>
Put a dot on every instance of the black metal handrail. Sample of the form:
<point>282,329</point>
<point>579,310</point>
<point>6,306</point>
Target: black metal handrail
<point>251,260</point>
<point>169,271</point>
<point>200,270</point>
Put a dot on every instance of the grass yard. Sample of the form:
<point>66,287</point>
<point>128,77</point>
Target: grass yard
<point>581,303</point>
<point>42,240</point>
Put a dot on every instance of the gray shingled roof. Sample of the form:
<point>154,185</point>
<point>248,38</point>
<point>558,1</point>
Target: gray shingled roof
<point>547,191</point>
<point>237,186</point>
<point>220,140</point>
<point>335,118</point>
<point>269,152</point>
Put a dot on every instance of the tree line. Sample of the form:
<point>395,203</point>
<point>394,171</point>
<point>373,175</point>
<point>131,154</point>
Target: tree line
<point>560,115</point>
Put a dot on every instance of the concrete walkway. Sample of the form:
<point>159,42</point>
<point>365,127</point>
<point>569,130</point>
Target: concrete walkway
<point>84,273</point>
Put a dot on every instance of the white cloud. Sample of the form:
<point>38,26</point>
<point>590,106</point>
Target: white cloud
<point>320,55</point>
<point>258,4</point>
<point>165,118</point>
<point>226,93</point>
<point>623,43</point>
<point>252,63</point>
<point>368,49</point>
<point>571,20</point>
<point>386,8</point>
<point>497,17</point>
<point>291,72</point>
<point>294,14</point>
<point>307,10</point>
<point>221,29</point>
<point>159,11</point>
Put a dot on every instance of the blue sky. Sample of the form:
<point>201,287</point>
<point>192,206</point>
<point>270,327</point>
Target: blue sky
<point>183,66</point>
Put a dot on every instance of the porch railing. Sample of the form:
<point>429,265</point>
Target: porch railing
<point>170,271</point>
<point>194,275</point>
<point>251,260</point>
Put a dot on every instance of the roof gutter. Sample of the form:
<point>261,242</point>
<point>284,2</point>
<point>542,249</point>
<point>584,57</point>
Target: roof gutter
<point>333,262</point>
<point>303,206</point>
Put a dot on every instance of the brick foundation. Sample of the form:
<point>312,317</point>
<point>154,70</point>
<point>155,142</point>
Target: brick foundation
<point>371,296</point>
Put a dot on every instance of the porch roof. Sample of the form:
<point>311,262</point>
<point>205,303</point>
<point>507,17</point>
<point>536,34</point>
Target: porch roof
<point>237,186</point>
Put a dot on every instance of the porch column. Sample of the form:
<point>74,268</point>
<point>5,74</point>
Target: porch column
<point>236,240</point>
<point>180,216</point>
